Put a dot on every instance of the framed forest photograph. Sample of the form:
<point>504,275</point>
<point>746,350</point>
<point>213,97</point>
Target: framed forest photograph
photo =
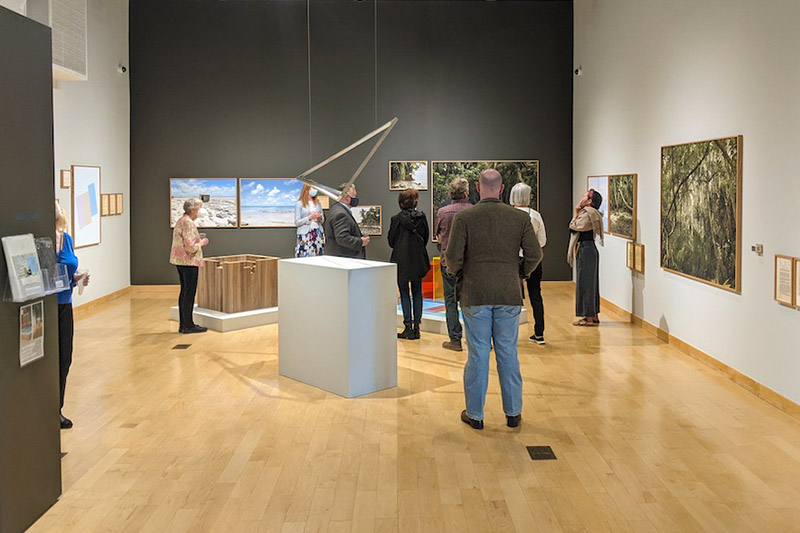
<point>701,211</point>
<point>369,219</point>
<point>622,206</point>
<point>513,172</point>
<point>408,175</point>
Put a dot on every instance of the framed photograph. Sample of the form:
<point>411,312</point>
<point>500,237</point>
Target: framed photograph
<point>513,172</point>
<point>408,175</point>
<point>600,184</point>
<point>701,211</point>
<point>104,210</point>
<point>796,266</point>
<point>120,203</point>
<point>638,258</point>
<point>85,217</point>
<point>622,205</point>
<point>268,202</point>
<point>369,219</point>
<point>66,179</point>
<point>784,280</point>
<point>221,205</point>
<point>629,254</point>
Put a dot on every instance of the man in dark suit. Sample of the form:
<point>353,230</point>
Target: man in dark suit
<point>342,235</point>
<point>483,253</point>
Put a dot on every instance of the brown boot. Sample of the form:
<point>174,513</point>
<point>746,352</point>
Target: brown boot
<point>452,345</point>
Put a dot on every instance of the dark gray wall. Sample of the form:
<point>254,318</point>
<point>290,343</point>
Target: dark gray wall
<point>221,89</point>
<point>30,460</point>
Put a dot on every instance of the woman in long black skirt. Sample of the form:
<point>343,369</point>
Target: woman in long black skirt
<point>586,224</point>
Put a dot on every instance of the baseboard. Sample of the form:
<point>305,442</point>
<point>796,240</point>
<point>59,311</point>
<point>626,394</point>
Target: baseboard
<point>759,389</point>
<point>91,305</point>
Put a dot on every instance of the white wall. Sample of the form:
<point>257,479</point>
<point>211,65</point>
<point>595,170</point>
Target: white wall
<point>665,72</point>
<point>17,6</point>
<point>92,127</point>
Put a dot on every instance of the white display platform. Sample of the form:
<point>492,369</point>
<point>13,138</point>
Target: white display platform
<point>337,323</point>
<point>437,323</point>
<point>219,321</point>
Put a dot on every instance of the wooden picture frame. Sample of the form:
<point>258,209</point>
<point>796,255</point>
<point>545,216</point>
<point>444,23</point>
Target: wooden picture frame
<point>439,190</point>
<point>629,254</point>
<point>223,204</point>
<point>638,258</point>
<point>734,283</point>
<point>395,187</point>
<point>784,280</point>
<point>65,179</point>
<point>371,230</point>
<point>273,201</point>
<point>85,206</point>
<point>120,203</point>
<point>796,270</point>
<point>104,207</point>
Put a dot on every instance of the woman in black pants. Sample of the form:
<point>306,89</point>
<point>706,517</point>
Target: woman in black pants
<point>408,237</point>
<point>187,256</point>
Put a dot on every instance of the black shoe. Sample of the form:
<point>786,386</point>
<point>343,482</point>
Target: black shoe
<point>407,333</point>
<point>538,339</point>
<point>66,423</point>
<point>415,331</point>
<point>475,424</point>
<point>513,421</point>
<point>194,329</point>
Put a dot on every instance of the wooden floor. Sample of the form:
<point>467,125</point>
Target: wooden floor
<point>211,438</point>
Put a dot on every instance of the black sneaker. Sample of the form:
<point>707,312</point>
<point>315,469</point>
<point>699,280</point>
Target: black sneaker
<point>538,339</point>
<point>475,424</point>
<point>195,329</point>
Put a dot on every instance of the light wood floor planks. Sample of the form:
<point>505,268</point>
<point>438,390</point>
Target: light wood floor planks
<point>212,439</point>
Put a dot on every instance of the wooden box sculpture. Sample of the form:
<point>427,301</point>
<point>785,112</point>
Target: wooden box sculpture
<point>236,283</point>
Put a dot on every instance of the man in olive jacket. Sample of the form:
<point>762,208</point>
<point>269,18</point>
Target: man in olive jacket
<point>483,252</point>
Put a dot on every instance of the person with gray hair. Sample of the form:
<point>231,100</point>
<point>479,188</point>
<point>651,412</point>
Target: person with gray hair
<point>344,238</point>
<point>521,199</point>
<point>187,256</point>
<point>458,193</point>
<point>483,253</point>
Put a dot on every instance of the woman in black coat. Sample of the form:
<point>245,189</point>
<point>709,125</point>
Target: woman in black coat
<point>408,237</point>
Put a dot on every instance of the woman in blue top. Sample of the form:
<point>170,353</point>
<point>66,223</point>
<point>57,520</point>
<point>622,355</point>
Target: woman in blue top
<point>65,256</point>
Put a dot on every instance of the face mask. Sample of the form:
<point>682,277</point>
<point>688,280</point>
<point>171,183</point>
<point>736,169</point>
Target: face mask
<point>313,193</point>
<point>202,213</point>
<point>354,201</point>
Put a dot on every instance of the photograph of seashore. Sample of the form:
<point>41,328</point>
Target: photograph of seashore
<point>219,200</point>
<point>268,202</point>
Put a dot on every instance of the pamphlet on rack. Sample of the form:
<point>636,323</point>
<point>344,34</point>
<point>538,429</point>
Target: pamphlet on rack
<point>24,273</point>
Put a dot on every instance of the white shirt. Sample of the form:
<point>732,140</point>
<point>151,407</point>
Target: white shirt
<point>538,225</point>
<point>301,214</point>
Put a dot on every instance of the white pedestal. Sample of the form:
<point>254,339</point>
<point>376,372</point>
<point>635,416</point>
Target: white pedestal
<point>219,321</point>
<point>337,323</point>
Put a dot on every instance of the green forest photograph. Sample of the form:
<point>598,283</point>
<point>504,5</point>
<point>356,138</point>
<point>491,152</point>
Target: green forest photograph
<point>513,172</point>
<point>368,218</point>
<point>622,206</point>
<point>408,175</point>
<point>700,211</point>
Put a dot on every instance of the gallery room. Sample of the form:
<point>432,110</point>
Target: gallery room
<point>399,265</point>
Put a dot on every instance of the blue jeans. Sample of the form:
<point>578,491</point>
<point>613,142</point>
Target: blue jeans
<point>484,324</point>
<point>451,306</point>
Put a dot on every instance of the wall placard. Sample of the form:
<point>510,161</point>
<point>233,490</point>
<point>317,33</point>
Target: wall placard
<point>638,258</point>
<point>784,280</point>
<point>66,179</point>
<point>629,254</point>
<point>796,263</point>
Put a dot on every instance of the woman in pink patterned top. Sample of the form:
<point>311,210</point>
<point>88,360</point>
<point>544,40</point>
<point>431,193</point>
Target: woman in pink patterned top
<point>187,256</point>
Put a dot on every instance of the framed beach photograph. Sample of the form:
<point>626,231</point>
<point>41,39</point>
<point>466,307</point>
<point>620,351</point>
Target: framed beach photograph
<point>785,280</point>
<point>701,211</point>
<point>104,210</point>
<point>408,175</point>
<point>85,219</point>
<point>513,172</point>
<point>600,184</point>
<point>220,204</point>
<point>369,219</point>
<point>66,179</point>
<point>622,205</point>
<point>268,202</point>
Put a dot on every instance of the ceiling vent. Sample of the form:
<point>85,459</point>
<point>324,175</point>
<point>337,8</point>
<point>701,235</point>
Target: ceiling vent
<point>70,40</point>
